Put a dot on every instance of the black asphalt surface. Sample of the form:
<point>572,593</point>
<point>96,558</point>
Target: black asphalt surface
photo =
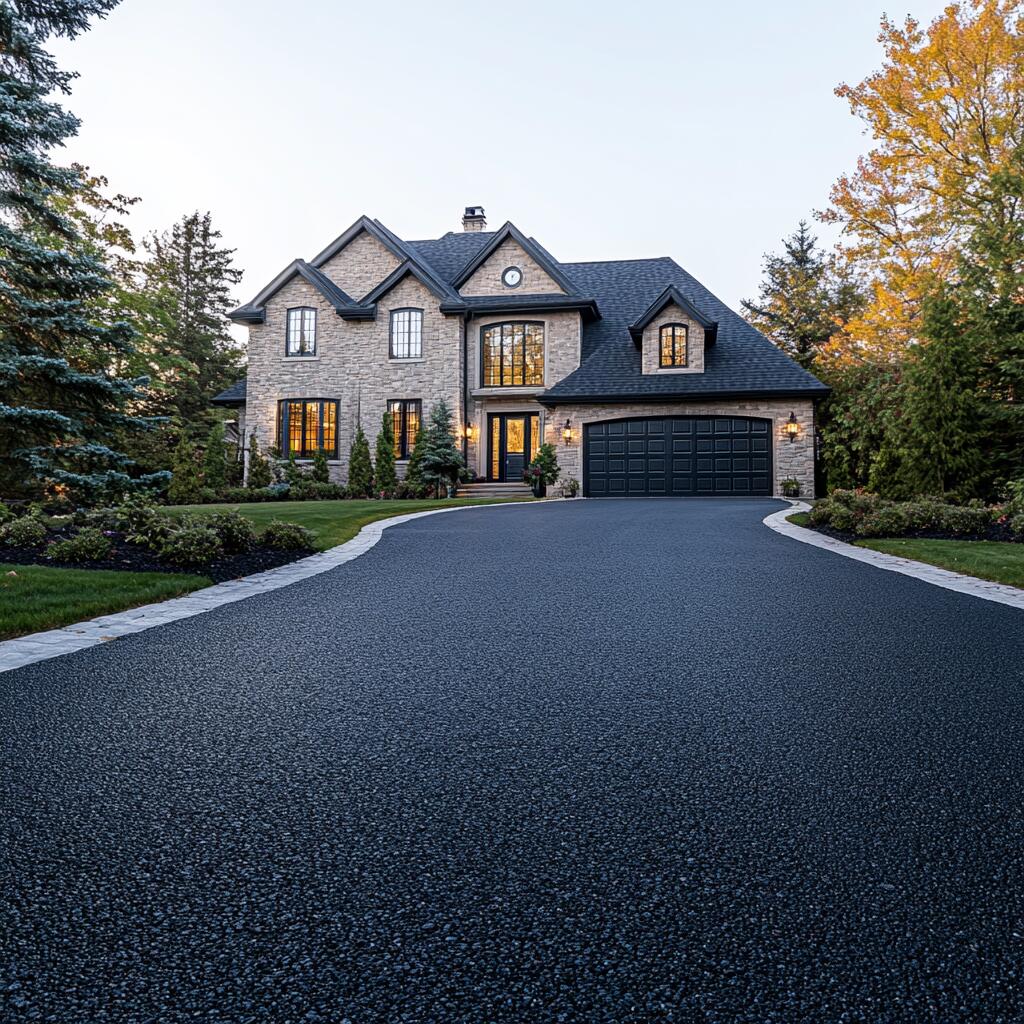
<point>611,761</point>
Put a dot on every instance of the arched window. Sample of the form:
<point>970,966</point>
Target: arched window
<point>673,345</point>
<point>512,355</point>
<point>301,332</point>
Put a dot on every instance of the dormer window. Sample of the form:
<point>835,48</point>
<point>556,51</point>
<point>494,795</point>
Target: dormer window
<point>673,346</point>
<point>406,334</point>
<point>301,332</point>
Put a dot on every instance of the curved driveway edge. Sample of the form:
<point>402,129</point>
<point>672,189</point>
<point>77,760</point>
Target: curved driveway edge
<point>984,589</point>
<point>54,642</point>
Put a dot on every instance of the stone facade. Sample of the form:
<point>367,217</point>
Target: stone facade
<point>789,458</point>
<point>672,314</point>
<point>486,279</point>
<point>360,266</point>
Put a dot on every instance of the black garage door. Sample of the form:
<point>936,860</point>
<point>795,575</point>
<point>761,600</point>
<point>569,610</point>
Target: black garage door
<point>677,455</point>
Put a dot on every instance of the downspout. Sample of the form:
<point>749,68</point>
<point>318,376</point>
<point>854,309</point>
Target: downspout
<point>465,391</point>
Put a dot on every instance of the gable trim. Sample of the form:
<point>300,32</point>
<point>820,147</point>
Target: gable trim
<point>255,313</point>
<point>399,274</point>
<point>532,249</point>
<point>669,296</point>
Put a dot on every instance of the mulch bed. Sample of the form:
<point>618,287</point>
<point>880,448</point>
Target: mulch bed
<point>132,558</point>
<point>996,531</point>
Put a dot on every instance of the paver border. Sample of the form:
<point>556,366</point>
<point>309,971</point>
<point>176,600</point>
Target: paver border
<point>971,585</point>
<point>52,643</point>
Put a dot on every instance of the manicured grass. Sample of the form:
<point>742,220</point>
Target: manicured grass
<point>999,561</point>
<point>335,522</point>
<point>799,519</point>
<point>35,597</point>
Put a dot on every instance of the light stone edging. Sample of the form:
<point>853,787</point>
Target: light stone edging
<point>52,643</point>
<point>971,585</point>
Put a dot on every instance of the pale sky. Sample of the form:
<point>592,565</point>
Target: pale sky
<point>606,130</point>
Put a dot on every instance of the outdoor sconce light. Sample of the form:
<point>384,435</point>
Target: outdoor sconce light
<point>469,431</point>
<point>567,432</point>
<point>792,427</point>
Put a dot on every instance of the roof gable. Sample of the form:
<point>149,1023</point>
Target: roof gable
<point>537,253</point>
<point>404,270</point>
<point>672,296</point>
<point>254,312</point>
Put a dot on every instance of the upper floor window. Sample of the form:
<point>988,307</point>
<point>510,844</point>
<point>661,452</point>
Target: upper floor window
<point>513,354</point>
<point>301,332</point>
<point>305,425</point>
<point>673,345</point>
<point>405,422</point>
<point>406,334</point>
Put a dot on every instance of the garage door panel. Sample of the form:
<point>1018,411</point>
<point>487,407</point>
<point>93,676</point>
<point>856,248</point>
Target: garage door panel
<point>679,455</point>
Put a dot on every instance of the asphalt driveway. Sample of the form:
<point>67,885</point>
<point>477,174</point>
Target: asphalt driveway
<point>618,761</point>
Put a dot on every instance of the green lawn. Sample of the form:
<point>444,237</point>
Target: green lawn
<point>999,561</point>
<point>335,522</point>
<point>799,519</point>
<point>35,597</point>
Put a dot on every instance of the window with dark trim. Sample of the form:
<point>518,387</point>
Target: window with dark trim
<point>305,425</point>
<point>512,354</point>
<point>406,333</point>
<point>673,345</point>
<point>405,422</point>
<point>300,334</point>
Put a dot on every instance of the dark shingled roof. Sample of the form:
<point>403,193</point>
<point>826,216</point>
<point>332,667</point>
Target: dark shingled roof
<point>234,395</point>
<point>450,253</point>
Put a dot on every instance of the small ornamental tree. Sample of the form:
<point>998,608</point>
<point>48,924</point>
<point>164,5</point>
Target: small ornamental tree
<point>545,465</point>
<point>360,467</point>
<point>185,481</point>
<point>442,461</point>
<point>215,467</point>
<point>320,473</point>
<point>414,468</point>
<point>292,471</point>
<point>259,468</point>
<point>387,480</point>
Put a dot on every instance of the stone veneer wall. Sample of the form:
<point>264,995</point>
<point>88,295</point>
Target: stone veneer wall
<point>351,365</point>
<point>789,458</point>
<point>360,266</point>
<point>486,279</point>
<point>672,314</point>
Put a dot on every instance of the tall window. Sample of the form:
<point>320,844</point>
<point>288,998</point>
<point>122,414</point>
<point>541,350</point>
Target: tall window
<point>405,421</point>
<point>513,354</point>
<point>301,332</point>
<point>305,425</point>
<point>407,334</point>
<point>673,345</point>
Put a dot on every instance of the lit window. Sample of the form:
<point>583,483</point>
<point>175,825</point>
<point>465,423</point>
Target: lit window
<point>673,345</point>
<point>407,334</point>
<point>405,422</point>
<point>513,355</point>
<point>306,425</point>
<point>301,334</point>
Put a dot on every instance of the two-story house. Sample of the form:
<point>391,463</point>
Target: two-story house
<point>645,382</point>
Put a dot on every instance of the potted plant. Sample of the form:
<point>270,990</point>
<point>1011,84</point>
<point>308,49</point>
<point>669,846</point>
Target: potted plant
<point>534,476</point>
<point>791,488</point>
<point>543,471</point>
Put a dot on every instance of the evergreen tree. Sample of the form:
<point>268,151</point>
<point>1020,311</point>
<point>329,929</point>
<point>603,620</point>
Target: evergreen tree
<point>259,468</point>
<point>387,479</point>
<point>442,462</point>
<point>414,467</point>
<point>360,468</point>
<point>62,399</point>
<point>215,467</point>
<point>320,473</point>
<point>189,350</point>
<point>185,481</point>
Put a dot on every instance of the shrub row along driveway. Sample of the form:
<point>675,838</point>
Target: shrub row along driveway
<point>593,761</point>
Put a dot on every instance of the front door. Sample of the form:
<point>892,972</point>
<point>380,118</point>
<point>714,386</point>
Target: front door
<point>515,438</point>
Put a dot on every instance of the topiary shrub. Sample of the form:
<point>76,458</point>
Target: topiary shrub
<point>88,545</point>
<point>192,546</point>
<point>286,536</point>
<point>236,532</point>
<point>26,532</point>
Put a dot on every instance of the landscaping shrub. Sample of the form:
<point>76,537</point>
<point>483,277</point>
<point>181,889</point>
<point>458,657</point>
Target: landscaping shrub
<point>192,546</point>
<point>88,545</point>
<point>286,536</point>
<point>412,489</point>
<point>260,474</point>
<point>320,473</point>
<point>236,533</point>
<point>26,532</point>
<point>887,520</point>
<point>238,495</point>
<point>312,490</point>
<point>185,481</point>
<point>6,515</point>
<point>964,522</point>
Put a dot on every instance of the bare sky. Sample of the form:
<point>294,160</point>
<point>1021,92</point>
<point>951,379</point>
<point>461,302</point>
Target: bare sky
<point>607,130</point>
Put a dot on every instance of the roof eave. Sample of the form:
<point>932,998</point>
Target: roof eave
<point>588,307</point>
<point>648,397</point>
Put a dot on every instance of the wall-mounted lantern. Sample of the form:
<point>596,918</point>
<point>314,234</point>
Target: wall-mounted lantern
<point>792,427</point>
<point>470,431</point>
<point>567,432</point>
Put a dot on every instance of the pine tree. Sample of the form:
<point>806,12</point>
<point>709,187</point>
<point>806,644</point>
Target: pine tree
<point>442,462</point>
<point>259,468</point>
<point>215,468</point>
<point>320,473</point>
<point>387,479</point>
<point>189,349</point>
<point>414,467</point>
<point>185,481</point>
<point>360,468</point>
<point>62,399</point>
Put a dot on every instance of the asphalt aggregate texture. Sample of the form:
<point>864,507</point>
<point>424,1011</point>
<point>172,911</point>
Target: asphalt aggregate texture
<point>592,761</point>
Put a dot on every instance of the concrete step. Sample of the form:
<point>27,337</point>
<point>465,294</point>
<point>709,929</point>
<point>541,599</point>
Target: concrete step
<point>494,490</point>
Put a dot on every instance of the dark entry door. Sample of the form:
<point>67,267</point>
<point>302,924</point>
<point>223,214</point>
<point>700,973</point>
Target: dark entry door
<point>678,455</point>
<point>514,439</point>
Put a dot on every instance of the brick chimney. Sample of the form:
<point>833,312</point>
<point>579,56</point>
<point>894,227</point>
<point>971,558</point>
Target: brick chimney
<point>473,219</point>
